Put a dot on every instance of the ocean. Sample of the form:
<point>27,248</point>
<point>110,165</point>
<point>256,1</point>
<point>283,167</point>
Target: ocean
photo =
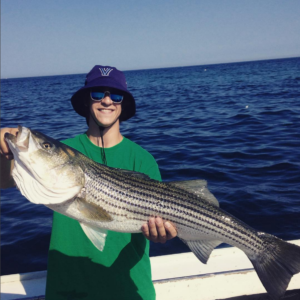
<point>236,125</point>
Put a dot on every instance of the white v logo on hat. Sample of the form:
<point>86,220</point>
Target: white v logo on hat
<point>105,71</point>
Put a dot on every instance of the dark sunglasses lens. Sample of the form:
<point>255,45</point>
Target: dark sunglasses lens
<point>97,95</point>
<point>116,98</point>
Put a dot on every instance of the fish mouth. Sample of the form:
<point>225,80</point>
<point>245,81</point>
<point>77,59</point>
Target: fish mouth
<point>19,142</point>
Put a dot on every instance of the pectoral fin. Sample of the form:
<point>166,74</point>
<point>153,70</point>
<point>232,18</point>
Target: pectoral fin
<point>96,235</point>
<point>92,211</point>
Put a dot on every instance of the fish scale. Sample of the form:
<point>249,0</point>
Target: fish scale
<point>144,194</point>
<point>103,198</point>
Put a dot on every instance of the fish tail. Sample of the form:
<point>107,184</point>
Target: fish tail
<point>276,264</point>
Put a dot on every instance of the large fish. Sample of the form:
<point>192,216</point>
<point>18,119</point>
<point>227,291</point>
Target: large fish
<point>103,198</point>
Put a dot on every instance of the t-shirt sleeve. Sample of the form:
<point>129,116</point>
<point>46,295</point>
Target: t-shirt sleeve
<point>153,172</point>
<point>149,166</point>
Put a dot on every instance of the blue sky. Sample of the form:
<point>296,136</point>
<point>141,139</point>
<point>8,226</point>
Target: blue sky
<point>68,37</point>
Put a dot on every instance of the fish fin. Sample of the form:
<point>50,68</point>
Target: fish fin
<point>133,173</point>
<point>276,264</point>
<point>198,187</point>
<point>92,211</point>
<point>202,248</point>
<point>96,235</point>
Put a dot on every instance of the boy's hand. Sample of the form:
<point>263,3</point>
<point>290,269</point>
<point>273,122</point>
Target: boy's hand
<point>157,231</point>
<point>4,149</point>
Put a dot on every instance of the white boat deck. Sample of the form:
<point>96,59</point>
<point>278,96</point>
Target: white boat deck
<point>227,274</point>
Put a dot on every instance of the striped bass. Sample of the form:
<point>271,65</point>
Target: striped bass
<point>102,198</point>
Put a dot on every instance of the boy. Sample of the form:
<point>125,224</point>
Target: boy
<point>76,269</point>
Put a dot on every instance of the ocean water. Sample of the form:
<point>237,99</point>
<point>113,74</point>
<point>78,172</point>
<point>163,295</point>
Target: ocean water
<point>236,125</point>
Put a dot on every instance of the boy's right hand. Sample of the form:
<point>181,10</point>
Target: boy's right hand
<point>4,149</point>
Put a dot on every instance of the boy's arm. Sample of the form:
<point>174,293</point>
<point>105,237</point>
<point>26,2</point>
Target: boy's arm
<point>6,166</point>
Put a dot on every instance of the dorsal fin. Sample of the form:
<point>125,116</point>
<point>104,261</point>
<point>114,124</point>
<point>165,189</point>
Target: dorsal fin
<point>198,187</point>
<point>133,173</point>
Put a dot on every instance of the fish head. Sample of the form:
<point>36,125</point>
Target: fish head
<point>45,170</point>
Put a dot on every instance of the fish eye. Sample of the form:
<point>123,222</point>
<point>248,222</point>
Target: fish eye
<point>46,145</point>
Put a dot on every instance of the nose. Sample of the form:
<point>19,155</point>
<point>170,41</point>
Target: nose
<point>106,100</point>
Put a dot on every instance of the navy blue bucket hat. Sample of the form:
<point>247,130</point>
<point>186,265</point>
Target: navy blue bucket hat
<point>103,78</point>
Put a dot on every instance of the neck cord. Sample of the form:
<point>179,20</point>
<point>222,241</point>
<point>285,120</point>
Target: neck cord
<point>101,128</point>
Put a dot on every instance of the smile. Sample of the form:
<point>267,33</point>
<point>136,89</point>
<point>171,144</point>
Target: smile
<point>105,111</point>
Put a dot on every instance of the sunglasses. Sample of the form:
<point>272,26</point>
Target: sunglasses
<point>98,96</point>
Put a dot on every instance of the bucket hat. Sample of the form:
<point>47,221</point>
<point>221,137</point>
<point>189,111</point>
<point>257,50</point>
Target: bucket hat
<point>101,78</point>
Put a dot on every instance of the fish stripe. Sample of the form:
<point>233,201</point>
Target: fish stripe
<point>194,212</point>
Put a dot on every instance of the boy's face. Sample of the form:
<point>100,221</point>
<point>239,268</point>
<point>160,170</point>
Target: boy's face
<point>106,112</point>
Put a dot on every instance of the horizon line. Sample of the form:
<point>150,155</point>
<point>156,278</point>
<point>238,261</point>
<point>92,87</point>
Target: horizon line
<point>157,68</point>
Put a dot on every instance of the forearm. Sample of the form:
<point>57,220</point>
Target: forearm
<point>6,179</point>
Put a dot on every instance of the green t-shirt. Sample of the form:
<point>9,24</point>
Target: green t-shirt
<point>76,268</point>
